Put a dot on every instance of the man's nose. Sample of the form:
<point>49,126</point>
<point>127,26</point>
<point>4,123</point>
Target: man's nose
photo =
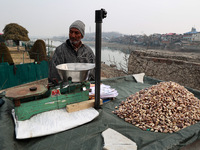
<point>73,34</point>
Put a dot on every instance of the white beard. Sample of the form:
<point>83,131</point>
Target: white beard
<point>74,42</point>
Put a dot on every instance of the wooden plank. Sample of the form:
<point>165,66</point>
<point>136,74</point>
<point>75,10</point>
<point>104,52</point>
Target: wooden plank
<point>81,105</point>
<point>24,91</point>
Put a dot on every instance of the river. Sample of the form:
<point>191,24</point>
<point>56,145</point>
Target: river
<point>109,56</point>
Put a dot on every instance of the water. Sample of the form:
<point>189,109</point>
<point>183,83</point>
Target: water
<point>109,56</point>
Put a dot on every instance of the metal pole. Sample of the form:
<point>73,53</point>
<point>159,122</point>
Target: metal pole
<point>23,57</point>
<point>51,48</point>
<point>99,15</point>
<point>48,46</point>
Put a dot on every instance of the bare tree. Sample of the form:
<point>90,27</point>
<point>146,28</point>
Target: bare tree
<point>123,66</point>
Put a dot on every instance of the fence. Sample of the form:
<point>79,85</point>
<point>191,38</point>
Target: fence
<point>13,75</point>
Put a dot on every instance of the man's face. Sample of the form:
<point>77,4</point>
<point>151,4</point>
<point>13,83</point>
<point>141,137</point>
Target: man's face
<point>75,35</point>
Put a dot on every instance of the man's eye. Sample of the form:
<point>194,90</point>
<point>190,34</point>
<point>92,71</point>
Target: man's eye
<point>75,32</point>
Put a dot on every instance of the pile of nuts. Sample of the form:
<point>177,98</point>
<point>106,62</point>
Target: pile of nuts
<point>165,107</point>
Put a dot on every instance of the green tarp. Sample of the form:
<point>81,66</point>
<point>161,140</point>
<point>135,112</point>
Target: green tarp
<point>88,136</point>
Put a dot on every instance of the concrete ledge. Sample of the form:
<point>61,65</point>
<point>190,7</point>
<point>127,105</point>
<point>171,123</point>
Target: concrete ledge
<point>184,70</point>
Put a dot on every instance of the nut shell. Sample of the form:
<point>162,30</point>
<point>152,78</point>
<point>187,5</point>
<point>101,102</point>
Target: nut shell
<point>166,107</point>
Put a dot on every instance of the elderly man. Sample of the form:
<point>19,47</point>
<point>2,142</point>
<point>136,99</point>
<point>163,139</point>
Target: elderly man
<point>72,51</point>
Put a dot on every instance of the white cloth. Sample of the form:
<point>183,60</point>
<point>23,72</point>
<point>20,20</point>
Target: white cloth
<point>139,77</point>
<point>113,140</point>
<point>51,122</point>
<point>105,91</point>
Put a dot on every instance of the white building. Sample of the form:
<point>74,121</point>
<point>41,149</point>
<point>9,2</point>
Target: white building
<point>188,35</point>
<point>196,37</point>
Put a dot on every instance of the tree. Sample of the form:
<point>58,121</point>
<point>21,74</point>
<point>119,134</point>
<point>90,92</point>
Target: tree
<point>1,38</point>
<point>38,51</point>
<point>5,54</point>
<point>16,33</point>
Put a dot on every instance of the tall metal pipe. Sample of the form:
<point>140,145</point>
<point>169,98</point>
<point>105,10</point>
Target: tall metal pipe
<point>99,15</point>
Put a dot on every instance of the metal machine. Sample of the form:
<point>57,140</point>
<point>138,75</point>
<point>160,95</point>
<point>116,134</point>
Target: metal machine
<point>33,99</point>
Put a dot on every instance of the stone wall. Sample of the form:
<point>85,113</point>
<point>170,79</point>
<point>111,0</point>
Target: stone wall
<point>167,66</point>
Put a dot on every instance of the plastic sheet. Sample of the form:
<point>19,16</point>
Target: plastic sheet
<point>51,122</point>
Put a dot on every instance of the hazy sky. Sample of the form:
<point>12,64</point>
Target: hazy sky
<point>53,17</point>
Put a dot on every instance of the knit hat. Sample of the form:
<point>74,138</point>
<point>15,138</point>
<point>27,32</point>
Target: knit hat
<point>78,25</point>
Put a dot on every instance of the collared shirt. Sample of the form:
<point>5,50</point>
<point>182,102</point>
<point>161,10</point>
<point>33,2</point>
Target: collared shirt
<point>65,53</point>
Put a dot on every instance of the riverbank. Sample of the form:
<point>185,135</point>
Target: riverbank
<point>128,47</point>
<point>116,46</point>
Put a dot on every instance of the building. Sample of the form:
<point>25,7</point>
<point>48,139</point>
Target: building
<point>188,35</point>
<point>196,37</point>
<point>171,38</point>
